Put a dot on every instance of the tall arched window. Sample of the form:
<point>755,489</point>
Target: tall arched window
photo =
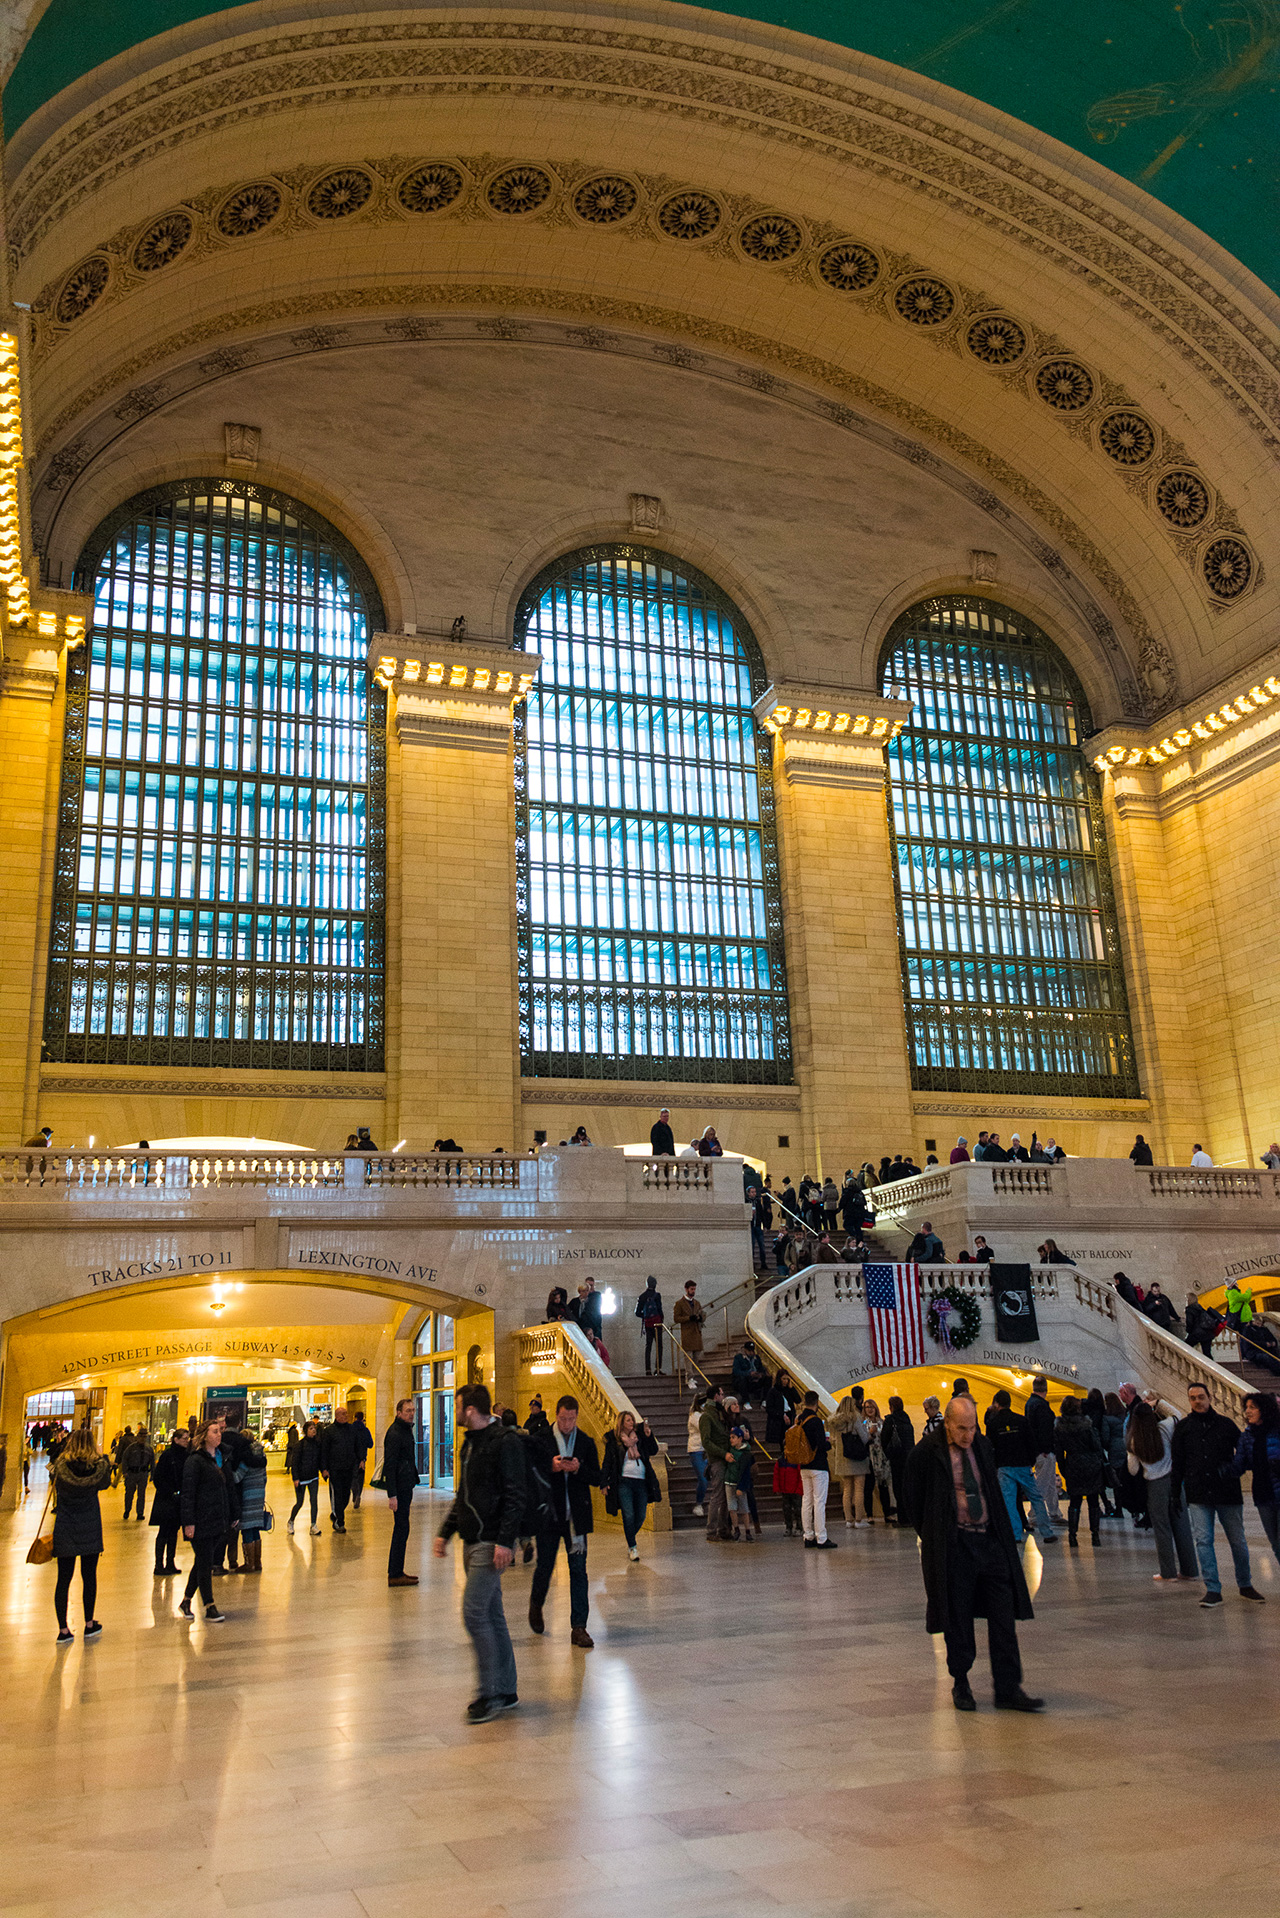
<point>1010,953</point>
<point>650,928</point>
<point>220,877</point>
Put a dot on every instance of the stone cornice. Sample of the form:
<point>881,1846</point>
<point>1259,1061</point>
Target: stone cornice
<point>848,108</point>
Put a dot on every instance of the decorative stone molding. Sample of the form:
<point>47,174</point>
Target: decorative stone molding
<point>19,679</point>
<point>451,690</point>
<point>646,513</point>
<point>691,1094</point>
<point>242,444</point>
<point>312,1088</point>
<point>983,568</point>
<point>979,1106</point>
<point>828,736</point>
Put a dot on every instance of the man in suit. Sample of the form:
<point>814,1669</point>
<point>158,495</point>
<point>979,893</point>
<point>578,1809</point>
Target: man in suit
<point>400,1470</point>
<point>574,1467</point>
<point>662,1140</point>
<point>967,1554</point>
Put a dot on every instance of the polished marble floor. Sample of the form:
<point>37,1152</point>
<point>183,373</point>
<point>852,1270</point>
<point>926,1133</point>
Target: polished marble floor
<point>760,1732</point>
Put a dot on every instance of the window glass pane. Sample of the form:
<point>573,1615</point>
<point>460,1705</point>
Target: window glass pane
<point>1010,951</point>
<point>444,1332</point>
<point>220,870</point>
<point>650,924</point>
<point>423,1341</point>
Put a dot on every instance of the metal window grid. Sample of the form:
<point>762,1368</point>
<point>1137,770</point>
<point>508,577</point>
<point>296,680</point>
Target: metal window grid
<point>1011,963</point>
<point>649,918</point>
<point>220,880</point>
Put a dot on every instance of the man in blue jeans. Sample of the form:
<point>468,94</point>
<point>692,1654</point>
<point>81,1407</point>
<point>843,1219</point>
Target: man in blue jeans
<point>487,1514</point>
<point>1204,1445</point>
<point>1011,1443</point>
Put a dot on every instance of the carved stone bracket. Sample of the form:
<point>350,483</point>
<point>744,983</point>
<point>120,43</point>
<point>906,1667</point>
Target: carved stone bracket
<point>831,735</point>
<point>452,691</point>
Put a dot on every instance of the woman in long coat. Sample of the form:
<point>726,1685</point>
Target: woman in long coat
<point>79,1474</point>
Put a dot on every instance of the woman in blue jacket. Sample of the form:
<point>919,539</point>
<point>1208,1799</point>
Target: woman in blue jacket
<point>1258,1452</point>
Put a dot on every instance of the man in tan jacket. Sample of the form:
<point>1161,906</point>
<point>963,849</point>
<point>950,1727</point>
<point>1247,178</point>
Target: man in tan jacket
<point>689,1318</point>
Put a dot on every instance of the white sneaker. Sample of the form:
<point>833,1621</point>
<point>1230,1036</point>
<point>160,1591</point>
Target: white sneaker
<point>315,1531</point>
<point>698,1512</point>
<point>859,1523</point>
<point>290,1528</point>
<point>634,1556</point>
<point>849,1525</point>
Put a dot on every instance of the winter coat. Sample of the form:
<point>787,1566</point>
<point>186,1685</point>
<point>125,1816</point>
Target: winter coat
<point>848,1418</point>
<point>492,1482</point>
<point>338,1448</point>
<point>306,1461</point>
<point>364,1441</point>
<point>778,1401</point>
<point>77,1522</point>
<point>929,1498</point>
<point>1204,1449</point>
<point>167,1479</point>
<point>1080,1454</point>
<point>611,1470</point>
<point>1160,1311</point>
<point>252,1480</point>
<point>1038,1414</point>
<point>400,1460</point>
<point>138,1455</point>
<point>1007,1431</point>
<point>205,1504</point>
<point>897,1437</point>
<point>689,1317</point>
<point>1257,1457</point>
<point>1112,1433</point>
<point>577,1484</point>
<point>649,1306</point>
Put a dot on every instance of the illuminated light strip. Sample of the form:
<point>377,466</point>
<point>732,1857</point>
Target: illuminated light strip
<point>13,579</point>
<point>435,672</point>
<point>805,719</point>
<point>1242,707</point>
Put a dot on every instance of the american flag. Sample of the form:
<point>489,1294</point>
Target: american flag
<point>897,1314</point>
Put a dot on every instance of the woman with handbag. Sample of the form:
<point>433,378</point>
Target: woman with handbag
<point>206,1515</point>
<point>251,1474</point>
<point>79,1474</point>
<point>851,1458</point>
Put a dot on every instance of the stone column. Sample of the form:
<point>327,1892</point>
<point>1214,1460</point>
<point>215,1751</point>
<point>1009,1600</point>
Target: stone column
<point>28,799</point>
<point>453,1049</point>
<point>841,924</point>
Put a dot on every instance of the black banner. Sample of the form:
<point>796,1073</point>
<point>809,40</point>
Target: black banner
<point>1014,1306</point>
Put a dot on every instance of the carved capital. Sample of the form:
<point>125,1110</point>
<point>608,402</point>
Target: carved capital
<point>451,691</point>
<point>27,679</point>
<point>829,735</point>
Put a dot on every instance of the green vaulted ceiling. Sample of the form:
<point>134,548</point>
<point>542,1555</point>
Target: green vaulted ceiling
<point>1179,98</point>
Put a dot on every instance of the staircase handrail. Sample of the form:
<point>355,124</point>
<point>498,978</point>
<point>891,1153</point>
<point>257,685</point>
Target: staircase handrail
<point>710,1385</point>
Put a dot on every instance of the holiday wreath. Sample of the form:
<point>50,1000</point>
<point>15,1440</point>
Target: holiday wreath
<point>954,1318</point>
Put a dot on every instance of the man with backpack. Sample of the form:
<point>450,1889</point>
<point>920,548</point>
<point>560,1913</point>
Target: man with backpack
<point>807,1446</point>
<point>487,1514</point>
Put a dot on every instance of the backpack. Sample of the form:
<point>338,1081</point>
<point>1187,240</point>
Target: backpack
<point>537,1514</point>
<point>797,1450</point>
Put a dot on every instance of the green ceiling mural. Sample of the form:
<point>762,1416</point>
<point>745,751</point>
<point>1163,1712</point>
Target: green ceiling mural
<point>1179,98</point>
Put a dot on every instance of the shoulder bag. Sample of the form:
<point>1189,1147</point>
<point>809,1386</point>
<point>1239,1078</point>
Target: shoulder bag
<point>41,1548</point>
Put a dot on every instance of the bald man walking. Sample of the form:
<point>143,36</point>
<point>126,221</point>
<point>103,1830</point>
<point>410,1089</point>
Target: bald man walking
<point>967,1554</point>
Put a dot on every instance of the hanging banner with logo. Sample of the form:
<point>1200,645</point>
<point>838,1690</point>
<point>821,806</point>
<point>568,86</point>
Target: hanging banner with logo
<point>1014,1306</point>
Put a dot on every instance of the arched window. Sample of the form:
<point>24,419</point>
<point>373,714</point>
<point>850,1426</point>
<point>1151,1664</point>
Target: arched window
<point>650,928</point>
<point>1010,953</point>
<point>220,876</point>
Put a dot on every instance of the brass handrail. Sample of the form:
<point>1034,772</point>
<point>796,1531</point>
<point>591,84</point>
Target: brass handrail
<point>710,1384</point>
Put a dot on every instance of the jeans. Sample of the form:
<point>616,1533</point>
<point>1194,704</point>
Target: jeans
<point>399,1535</point>
<point>1013,1476</point>
<point>1171,1528</point>
<point>486,1623</point>
<point>88,1587</point>
<point>717,1511</point>
<point>698,1460</point>
<point>309,1485</point>
<point>813,1504</point>
<point>1270,1516</point>
<point>652,1336</point>
<point>977,1569</point>
<point>135,1487</point>
<point>1046,1477</point>
<point>579,1600</point>
<point>633,1502</point>
<point>1231,1518</point>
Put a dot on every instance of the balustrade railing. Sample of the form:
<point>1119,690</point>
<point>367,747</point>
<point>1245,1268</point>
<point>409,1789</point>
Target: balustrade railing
<point>1209,1182</point>
<point>674,1175</point>
<point>133,1172</point>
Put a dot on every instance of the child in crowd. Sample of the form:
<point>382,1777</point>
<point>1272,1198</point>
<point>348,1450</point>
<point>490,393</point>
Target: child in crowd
<point>734,1490</point>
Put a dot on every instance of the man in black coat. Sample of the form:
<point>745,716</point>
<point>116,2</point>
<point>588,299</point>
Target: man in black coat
<point>400,1470</point>
<point>662,1140</point>
<point>136,1460</point>
<point>1204,1445</point>
<point>573,1467</point>
<point>338,1464</point>
<point>967,1554</point>
<point>1038,1414</point>
<point>487,1513</point>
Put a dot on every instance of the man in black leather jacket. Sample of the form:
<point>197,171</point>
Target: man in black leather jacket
<point>487,1514</point>
<point>400,1472</point>
<point>1204,1445</point>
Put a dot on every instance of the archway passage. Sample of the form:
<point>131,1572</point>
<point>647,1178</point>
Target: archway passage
<point>273,1349</point>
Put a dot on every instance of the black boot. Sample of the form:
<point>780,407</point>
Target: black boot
<point>1072,1539</point>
